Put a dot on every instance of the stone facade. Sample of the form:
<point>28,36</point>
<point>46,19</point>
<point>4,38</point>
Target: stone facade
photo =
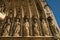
<point>32,19</point>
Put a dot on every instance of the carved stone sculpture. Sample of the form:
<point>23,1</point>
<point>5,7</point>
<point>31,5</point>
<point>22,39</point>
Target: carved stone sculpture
<point>6,31</point>
<point>26,28</point>
<point>35,26</point>
<point>54,28</point>
<point>36,31</point>
<point>17,28</point>
<point>45,28</point>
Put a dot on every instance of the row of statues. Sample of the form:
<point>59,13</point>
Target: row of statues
<point>19,29</point>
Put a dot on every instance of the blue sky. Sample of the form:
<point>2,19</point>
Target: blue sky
<point>55,5</point>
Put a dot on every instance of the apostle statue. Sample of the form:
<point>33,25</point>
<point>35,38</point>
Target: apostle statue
<point>17,28</point>
<point>35,27</point>
<point>45,28</point>
<point>52,25</point>
<point>26,26</point>
<point>7,27</point>
<point>6,30</point>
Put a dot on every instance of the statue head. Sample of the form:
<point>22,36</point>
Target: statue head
<point>26,18</point>
<point>49,19</point>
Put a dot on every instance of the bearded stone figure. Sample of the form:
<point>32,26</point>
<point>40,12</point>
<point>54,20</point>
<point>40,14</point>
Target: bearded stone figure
<point>45,28</point>
<point>17,29</point>
<point>26,28</point>
<point>6,31</point>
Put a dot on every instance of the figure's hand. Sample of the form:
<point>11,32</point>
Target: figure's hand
<point>2,16</point>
